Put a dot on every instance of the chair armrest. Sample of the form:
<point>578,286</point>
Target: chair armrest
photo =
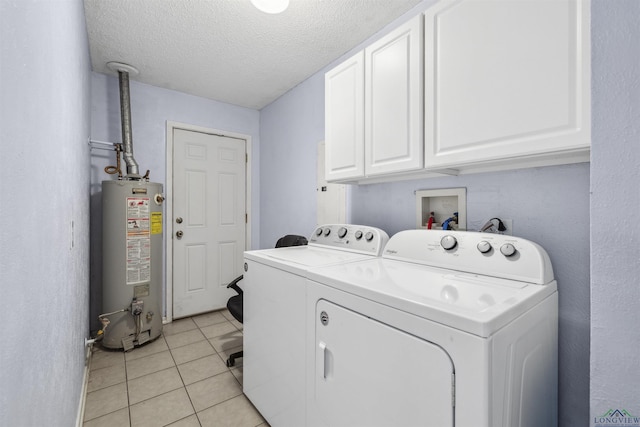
<point>234,284</point>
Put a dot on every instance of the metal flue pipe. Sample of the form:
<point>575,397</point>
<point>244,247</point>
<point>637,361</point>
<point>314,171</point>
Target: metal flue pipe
<point>125,117</point>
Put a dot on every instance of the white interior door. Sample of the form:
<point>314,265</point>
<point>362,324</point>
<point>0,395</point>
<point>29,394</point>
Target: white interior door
<point>209,219</point>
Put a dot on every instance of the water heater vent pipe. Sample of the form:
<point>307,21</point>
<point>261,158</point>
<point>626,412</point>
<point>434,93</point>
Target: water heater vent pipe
<point>124,70</point>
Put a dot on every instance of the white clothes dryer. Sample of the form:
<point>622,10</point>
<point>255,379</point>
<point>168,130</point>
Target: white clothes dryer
<point>446,329</point>
<point>275,313</point>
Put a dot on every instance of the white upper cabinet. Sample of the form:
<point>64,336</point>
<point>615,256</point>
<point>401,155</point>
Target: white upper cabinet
<point>506,82</point>
<point>393,108</point>
<point>374,108</point>
<point>344,120</point>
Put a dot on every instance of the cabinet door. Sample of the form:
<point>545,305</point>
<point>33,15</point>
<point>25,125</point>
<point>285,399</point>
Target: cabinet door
<point>506,79</point>
<point>344,120</point>
<point>394,101</point>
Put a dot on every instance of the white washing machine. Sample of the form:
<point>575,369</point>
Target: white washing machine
<point>275,313</point>
<point>446,329</point>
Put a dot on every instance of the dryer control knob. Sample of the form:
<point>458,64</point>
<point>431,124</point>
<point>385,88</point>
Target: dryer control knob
<point>319,232</point>
<point>484,247</point>
<point>342,232</point>
<point>368,236</point>
<point>508,249</point>
<point>358,235</point>
<point>448,242</point>
<point>327,232</point>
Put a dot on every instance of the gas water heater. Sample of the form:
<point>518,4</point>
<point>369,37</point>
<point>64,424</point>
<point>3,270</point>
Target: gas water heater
<point>132,262</point>
<point>131,244</point>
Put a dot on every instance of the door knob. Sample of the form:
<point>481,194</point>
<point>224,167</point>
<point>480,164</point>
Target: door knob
<point>179,220</point>
<point>179,234</point>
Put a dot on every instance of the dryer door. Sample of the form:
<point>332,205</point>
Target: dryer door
<point>368,373</point>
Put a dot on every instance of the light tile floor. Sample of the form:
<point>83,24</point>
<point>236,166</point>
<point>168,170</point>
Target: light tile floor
<point>179,380</point>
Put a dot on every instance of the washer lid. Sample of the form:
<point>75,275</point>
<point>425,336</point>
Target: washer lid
<point>477,304</point>
<point>298,259</point>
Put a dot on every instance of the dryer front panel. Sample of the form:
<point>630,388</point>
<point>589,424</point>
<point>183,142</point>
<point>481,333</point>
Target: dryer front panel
<point>368,373</point>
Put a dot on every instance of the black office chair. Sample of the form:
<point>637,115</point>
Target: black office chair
<point>235,306</point>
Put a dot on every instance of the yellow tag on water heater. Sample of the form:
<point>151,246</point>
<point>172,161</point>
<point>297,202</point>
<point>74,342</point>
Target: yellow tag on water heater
<point>156,222</point>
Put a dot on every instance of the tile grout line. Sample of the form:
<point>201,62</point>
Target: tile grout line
<point>184,386</point>
<point>126,379</point>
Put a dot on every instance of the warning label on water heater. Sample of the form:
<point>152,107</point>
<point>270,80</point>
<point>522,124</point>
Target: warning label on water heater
<point>138,240</point>
<point>156,222</point>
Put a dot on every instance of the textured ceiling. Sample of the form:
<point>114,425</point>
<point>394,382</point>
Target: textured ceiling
<point>227,50</point>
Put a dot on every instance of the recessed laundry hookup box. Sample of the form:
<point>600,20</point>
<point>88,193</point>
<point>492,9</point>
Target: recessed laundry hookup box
<point>444,204</point>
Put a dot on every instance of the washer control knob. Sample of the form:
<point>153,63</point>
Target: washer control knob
<point>342,232</point>
<point>508,249</point>
<point>358,235</point>
<point>369,236</point>
<point>448,242</point>
<point>327,232</point>
<point>319,232</point>
<point>484,247</point>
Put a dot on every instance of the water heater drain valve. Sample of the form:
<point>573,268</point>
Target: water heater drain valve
<point>136,307</point>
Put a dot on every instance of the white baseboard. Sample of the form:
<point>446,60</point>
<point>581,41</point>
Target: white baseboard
<point>85,385</point>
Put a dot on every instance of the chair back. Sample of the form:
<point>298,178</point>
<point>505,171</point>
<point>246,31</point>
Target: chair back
<point>291,240</point>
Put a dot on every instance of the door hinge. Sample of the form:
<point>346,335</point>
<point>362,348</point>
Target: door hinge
<point>246,158</point>
<point>246,218</point>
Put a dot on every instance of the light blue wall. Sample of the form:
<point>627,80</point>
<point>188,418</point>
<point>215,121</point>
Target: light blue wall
<point>547,205</point>
<point>292,126</point>
<point>151,108</point>
<point>615,202</point>
<point>44,185</point>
